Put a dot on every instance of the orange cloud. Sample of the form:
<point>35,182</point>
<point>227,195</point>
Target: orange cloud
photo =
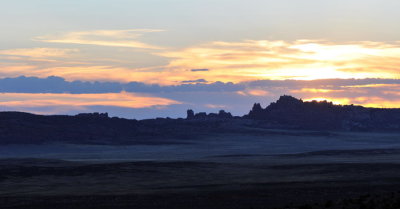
<point>12,70</point>
<point>123,99</point>
<point>315,90</point>
<point>373,86</point>
<point>215,106</point>
<point>41,55</point>
<point>253,92</point>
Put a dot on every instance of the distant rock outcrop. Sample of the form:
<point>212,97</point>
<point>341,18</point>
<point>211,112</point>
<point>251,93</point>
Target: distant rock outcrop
<point>190,114</point>
<point>93,115</point>
<point>289,112</point>
<point>204,116</point>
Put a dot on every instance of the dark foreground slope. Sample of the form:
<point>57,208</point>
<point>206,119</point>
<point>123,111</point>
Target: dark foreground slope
<point>287,113</point>
<point>236,182</point>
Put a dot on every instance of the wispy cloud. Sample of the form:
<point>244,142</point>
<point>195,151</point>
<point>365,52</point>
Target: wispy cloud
<point>254,92</point>
<point>123,99</point>
<point>111,38</point>
<point>37,55</point>
<point>39,52</point>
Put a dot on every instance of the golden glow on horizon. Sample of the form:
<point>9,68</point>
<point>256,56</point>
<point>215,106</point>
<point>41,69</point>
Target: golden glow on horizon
<point>338,101</point>
<point>373,86</point>
<point>373,101</point>
<point>312,90</point>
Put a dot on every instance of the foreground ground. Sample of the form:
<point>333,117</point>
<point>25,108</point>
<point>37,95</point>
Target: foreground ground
<point>333,170</point>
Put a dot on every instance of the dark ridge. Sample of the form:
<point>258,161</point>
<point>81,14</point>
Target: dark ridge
<point>286,113</point>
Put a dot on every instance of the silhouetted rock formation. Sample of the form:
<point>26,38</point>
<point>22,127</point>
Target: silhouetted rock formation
<point>190,114</point>
<point>289,112</point>
<point>256,112</point>
<point>93,115</point>
<point>212,116</point>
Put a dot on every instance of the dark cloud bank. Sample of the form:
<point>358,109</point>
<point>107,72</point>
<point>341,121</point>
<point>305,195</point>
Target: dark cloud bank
<point>54,84</point>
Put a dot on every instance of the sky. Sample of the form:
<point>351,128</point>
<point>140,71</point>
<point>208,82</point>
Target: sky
<point>157,58</point>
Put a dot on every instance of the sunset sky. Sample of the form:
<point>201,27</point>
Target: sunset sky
<point>157,58</point>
